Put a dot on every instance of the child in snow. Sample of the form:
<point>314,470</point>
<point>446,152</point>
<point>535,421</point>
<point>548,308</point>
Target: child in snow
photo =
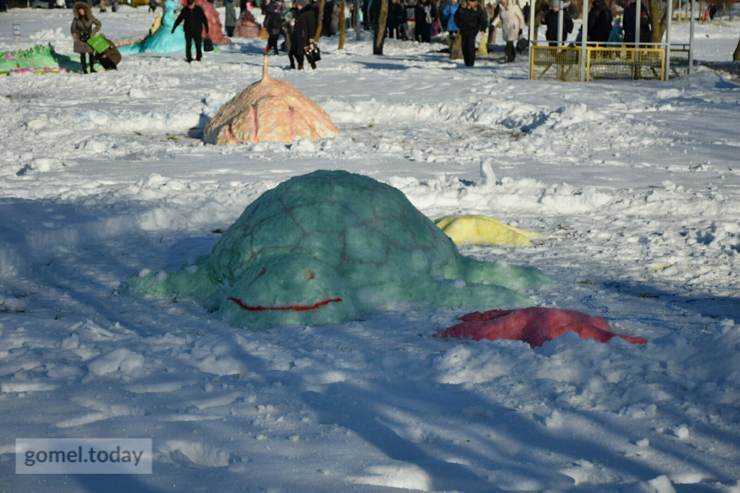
<point>84,26</point>
<point>195,22</point>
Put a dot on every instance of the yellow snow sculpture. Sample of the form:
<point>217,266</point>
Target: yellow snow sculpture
<point>269,111</point>
<point>482,230</point>
<point>156,24</point>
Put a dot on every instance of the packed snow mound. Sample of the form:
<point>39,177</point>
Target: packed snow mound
<point>269,111</point>
<point>247,27</point>
<point>38,59</point>
<point>330,247</point>
<point>483,230</point>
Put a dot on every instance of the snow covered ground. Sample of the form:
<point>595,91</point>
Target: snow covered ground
<point>635,186</point>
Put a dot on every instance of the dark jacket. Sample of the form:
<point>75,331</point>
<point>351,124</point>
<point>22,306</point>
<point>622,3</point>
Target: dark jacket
<point>396,15</point>
<point>83,28</point>
<point>551,21</point>
<point>471,21</point>
<point>628,24</point>
<point>304,29</point>
<point>599,22</point>
<point>273,18</point>
<point>230,11</point>
<point>194,21</point>
<point>420,14</point>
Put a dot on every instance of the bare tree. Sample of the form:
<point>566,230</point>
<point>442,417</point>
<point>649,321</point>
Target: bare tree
<point>380,28</point>
<point>342,25</point>
<point>320,21</point>
<point>658,13</point>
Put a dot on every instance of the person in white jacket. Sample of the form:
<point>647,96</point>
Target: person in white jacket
<point>512,23</point>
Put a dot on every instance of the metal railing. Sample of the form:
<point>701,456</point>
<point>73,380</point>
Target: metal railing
<point>606,61</point>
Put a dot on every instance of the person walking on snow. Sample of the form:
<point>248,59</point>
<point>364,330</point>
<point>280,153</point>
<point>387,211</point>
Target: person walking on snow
<point>303,31</point>
<point>84,26</point>
<point>195,22</point>
<point>551,21</point>
<point>599,22</point>
<point>471,19</point>
<point>424,16</point>
<point>512,22</point>
<point>448,23</point>
<point>628,24</point>
<point>273,24</point>
<point>448,16</point>
<point>230,20</point>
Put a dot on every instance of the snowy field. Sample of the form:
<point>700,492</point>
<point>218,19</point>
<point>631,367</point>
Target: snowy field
<point>635,187</point>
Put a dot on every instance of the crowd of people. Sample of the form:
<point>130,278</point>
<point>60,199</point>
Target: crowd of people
<point>466,24</point>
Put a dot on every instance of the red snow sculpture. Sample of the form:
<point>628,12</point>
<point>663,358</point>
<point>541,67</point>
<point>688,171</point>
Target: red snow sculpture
<point>534,325</point>
<point>215,31</point>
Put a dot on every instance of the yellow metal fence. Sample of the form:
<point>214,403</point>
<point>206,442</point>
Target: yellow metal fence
<point>617,62</point>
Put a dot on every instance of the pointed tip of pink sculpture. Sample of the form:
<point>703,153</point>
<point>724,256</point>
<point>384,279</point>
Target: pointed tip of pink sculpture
<point>534,325</point>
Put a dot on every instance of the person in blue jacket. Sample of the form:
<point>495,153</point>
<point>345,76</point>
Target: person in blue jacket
<point>448,17</point>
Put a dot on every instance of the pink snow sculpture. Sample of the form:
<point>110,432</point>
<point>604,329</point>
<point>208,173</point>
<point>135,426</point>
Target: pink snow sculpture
<point>534,325</point>
<point>247,26</point>
<point>269,111</point>
<point>215,30</point>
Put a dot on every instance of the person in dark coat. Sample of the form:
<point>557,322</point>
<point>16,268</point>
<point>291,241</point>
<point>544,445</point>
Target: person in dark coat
<point>628,23</point>
<point>273,24</point>
<point>326,27</point>
<point>470,19</point>
<point>230,19</point>
<point>396,19</point>
<point>551,21</point>
<point>424,16</point>
<point>303,31</point>
<point>287,31</point>
<point>195,22</point>
<point>84,26</point>
<point>599,22</point>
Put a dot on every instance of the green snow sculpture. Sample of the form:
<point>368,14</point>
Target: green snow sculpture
<point>330,247</point>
